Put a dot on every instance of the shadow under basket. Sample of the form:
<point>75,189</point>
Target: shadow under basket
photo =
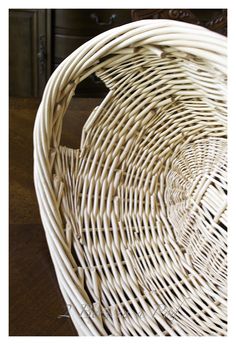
<point>135,218</point>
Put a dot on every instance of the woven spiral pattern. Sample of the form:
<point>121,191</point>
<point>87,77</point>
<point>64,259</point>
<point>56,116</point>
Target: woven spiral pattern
<point>135,218</point>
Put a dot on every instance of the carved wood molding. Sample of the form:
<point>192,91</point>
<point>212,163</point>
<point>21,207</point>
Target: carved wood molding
<point>215,19</point>
<point>218,23</point>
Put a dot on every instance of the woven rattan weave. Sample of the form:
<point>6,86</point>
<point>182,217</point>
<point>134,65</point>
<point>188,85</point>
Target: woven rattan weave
<point>135,218</point>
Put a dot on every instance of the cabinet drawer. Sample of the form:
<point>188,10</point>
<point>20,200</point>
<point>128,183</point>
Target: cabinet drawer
<point>65,45</point>
<point>89,22</point>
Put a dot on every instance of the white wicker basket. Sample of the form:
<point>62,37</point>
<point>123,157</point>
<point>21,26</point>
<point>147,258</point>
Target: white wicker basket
<point>135,219</point>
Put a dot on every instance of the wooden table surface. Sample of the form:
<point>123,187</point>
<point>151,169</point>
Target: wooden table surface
<point>35,301</point>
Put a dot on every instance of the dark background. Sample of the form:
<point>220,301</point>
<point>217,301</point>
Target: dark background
<point>41,39</point>
<point>38,41</point>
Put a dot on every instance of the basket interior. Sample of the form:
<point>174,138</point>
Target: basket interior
<point>143,200</point>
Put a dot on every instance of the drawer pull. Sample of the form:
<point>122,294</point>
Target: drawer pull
<point>109,22</point>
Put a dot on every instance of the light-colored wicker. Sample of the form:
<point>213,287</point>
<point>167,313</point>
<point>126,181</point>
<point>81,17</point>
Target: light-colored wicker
<point>135,218</point>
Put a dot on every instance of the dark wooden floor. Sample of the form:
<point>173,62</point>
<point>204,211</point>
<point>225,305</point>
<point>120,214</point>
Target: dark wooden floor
<point>35,302</point>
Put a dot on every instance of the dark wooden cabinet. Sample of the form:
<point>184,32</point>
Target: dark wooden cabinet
<point>39,40</point>
<point>29,51</point>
